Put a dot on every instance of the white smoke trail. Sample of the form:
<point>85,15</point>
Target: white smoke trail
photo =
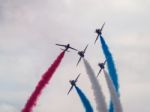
<point>99,97</point>
<point>114,96</point>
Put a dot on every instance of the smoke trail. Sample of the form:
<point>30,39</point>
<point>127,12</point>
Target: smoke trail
<point>99,97</point>
<point>110,63</point>
<point>86,103</point>
<point>111,68</point>
<point>42,83</point>
<point>114,95</point>
<point>111,109</point>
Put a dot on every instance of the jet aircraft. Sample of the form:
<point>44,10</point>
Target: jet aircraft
<point>102,66</point>
<point>99,32</point>
<point>66,47</point>
<point>73,83</point>
<point>81,54</point>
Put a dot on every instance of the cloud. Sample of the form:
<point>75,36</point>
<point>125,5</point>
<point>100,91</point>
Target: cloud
<point>8,108</point>
<point>30,28</point>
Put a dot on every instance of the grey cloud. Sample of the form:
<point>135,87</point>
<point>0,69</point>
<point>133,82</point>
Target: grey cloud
<point>8,108</point>
<point>30,28</point>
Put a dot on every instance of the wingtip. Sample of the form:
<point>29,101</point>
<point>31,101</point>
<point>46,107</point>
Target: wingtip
<point>79,74</point>
<point>68,93</point>
<point>97,75</point>
<point>77,65</point>
<point>94,42</point>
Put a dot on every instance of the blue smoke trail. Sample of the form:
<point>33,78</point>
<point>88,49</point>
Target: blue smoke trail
<point>111,109</point>
<point>110,63</point>
<point>86,103</point>
<point>111,67</point>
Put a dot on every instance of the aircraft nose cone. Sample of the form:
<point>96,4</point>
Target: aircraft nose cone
<point>96,31</point>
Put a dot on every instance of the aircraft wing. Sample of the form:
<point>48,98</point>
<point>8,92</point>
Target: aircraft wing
<point>99,72</point>
<point>64,50</point>
<point>70,89</point>
<point>77,78</point>
<point>96,39</point>
<point>73,48</point>
<point>102,26</point>
<point>85,48</point>
<point>60,45</point>
<point>105,62</point>
<point>79,60</point>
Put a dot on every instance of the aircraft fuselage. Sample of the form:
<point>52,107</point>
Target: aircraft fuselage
<point>98,31</point>
<point>67,47</point>
<point>101,65</point>
<point>81,53</point>
<point>72,82</point>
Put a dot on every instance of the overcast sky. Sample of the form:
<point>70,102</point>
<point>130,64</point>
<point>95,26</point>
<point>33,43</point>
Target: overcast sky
<point>29,30</point>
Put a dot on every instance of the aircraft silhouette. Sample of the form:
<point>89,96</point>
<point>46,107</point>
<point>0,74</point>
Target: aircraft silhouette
<point>73,83</point>
<point>81,54</point>
<point>99,32</point>
<point>66,47</point>
<point>102,66</point>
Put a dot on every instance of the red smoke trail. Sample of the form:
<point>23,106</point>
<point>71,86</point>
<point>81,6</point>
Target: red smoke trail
<point>42,83</point>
